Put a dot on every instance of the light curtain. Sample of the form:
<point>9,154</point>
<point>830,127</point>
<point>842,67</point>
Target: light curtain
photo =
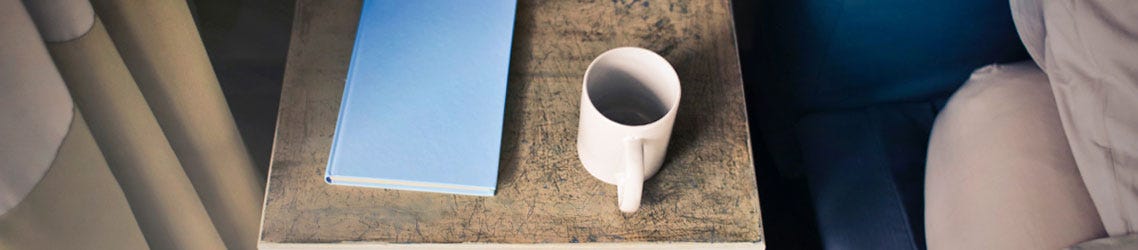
<point>150,157</point>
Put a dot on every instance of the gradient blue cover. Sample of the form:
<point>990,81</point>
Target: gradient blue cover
<point>424,99</point>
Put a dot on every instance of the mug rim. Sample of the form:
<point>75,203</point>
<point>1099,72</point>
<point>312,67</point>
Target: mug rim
<point>672,107</point>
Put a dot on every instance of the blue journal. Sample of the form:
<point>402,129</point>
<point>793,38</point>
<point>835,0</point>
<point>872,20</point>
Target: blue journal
<point>424,98</point>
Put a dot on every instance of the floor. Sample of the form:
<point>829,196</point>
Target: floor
<point>247,41</point>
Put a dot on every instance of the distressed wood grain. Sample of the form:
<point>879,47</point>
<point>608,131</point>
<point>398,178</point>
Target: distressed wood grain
<point>706,191</point>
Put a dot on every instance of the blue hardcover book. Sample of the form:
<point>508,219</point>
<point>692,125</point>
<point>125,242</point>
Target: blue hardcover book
<point>425,96</point>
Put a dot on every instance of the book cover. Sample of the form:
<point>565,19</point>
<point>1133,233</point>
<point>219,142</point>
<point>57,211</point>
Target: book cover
<point>424,99</point>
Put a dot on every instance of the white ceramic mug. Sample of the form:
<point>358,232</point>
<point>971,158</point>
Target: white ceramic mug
<point>628,105</point>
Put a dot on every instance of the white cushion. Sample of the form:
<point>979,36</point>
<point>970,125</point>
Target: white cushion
<point>1089,50</point>
<point>999,173</point>
<point>35,108</point>
<point>61,20</point>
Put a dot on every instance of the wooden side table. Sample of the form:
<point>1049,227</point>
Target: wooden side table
<point>705,195</point>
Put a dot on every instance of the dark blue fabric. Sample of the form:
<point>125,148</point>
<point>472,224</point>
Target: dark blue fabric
<point>844,92</point>
<point>826,55</point>
<point>865,169</point>
<point>836,54</point>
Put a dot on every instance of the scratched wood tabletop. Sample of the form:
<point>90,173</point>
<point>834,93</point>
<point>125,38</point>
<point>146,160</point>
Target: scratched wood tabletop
<point>705,193</point>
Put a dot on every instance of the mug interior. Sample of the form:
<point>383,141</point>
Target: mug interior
<point>632,86</point>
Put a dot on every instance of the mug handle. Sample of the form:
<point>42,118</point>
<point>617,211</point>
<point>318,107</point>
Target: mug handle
<point>632,181</point>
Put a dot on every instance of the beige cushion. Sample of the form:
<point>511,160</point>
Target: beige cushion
<point>999,172</point>
<point>1089,49</point>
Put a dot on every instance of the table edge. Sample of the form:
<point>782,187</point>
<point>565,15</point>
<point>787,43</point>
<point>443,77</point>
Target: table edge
<point>760,245</point>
